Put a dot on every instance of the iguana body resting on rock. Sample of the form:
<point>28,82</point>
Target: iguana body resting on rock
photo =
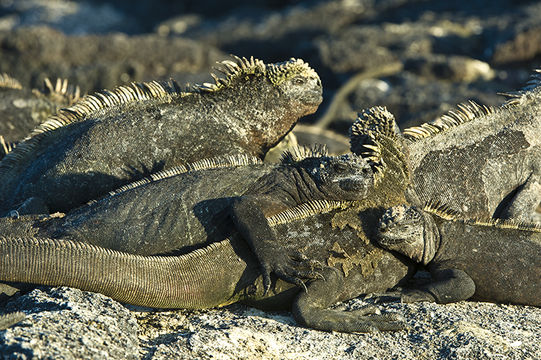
<point>496,261</point>
<point>191,208</point>
<point>22,109</point>
<point>226,270</point>
<point>114,137</point>
<point>481,161</point>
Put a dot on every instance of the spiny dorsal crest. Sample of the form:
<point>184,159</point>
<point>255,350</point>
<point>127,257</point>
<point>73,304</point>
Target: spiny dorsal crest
<point>465,113</point>
<point>376,119</point>
<point>372,127</point>
<point>299,152</point>
<point>307,209</point>
<point>87,105</point>
<point>237,70</point>
<point>533,85</point>
<point>445,212</point>
<point>5,147</point>
<point>60,92</point>
<point>9,82</point>
<point>205,164</point>
<point>441,210</point>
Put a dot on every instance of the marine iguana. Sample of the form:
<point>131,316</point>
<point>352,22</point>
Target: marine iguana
<point>187,206</point>
<point>481,161</point>
<point>114,137</point>
<point>493,260</point>
<point>226,270</point>
<point>22,109</point>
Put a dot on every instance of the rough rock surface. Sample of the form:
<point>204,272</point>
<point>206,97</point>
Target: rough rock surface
<point>97,62</point>
<point>64,323</point>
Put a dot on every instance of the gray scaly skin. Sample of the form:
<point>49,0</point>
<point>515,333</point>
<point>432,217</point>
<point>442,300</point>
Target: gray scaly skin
<point>335,234</point>
<point>181,209</point>
<point>22,109</point>
<point>114,137</point>
<point>496,261</point>
<point>481,161</point>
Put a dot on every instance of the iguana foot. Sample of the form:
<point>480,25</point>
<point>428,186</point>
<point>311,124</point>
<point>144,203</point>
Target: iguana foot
<point>310,309</point>
<point>403,296</point>
<point>293,268</point>
<point>353,321</point>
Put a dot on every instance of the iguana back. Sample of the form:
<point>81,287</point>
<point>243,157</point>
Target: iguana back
<point>113,137</point>
<point>482,161</point>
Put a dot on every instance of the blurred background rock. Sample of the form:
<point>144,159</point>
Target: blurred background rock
<point>439,53</point>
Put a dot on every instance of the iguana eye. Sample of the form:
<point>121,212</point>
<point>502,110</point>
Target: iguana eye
<point>340,167</point>
<point>299,81</point>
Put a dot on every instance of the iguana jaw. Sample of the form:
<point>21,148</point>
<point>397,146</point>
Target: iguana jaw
<point>409,231</point>
<point>401,228</point>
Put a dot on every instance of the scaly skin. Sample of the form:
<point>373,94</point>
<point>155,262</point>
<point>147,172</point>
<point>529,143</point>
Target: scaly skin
<point>480,161</point>
<point>488,166</point>
<point>496,261</point>
<point>226,271</point>
<point>192,208</point>
<point>112,138</point>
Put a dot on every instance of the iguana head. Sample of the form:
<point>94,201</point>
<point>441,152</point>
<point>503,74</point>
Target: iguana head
<point>405,229</point>
<point>297,82</point>
<point>268,99</point>
<point>345,177</point>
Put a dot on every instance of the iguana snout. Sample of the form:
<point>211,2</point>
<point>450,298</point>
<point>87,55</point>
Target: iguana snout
<point>400,225</point>
<point>345,177</point>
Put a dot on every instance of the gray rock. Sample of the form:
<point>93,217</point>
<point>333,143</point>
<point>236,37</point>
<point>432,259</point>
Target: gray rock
<point>65,323</point>
<point>102,62</point>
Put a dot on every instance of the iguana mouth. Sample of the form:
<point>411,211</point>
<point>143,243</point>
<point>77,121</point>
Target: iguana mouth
<point>354,184</point>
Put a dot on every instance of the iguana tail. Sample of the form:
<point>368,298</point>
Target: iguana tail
<point>203,278</point>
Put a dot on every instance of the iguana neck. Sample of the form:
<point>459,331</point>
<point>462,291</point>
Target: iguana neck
<point>308,188</point>
<point>288,185</point>
<point>258,113</point>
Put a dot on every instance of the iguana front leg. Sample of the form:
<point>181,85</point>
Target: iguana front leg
<point>449,285</point>
<point>310,309</point>
<point>250,221</point>
<point>524,204</point>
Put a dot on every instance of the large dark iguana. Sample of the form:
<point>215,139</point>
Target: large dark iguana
<point>493,260</point>
<point>22,109</point>
<point>113,137</point>
<point>335,233</point>
<point>181,207</point>
<point>481,161</point>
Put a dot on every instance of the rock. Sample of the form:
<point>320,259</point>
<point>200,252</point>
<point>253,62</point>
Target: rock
<point>100,62</point>
<point>65,323</point>
<point>68,323</point>
<point>70,17</point>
